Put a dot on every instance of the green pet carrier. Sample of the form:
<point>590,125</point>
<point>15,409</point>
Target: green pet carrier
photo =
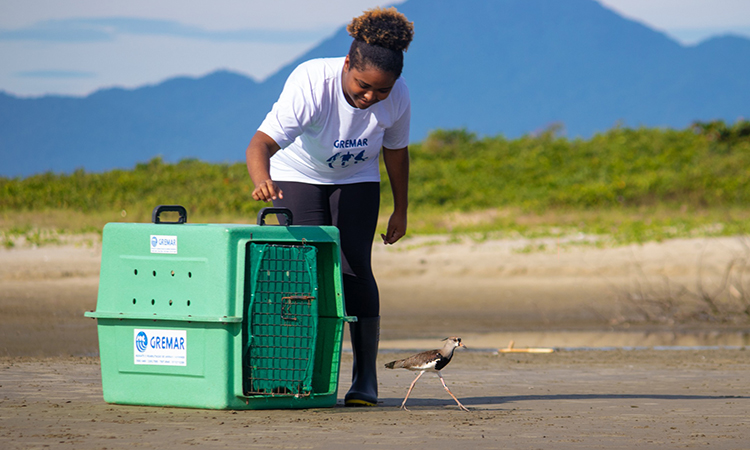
<point>220,316</point>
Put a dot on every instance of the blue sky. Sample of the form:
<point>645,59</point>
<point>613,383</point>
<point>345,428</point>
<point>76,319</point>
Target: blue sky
<point>74,47</point>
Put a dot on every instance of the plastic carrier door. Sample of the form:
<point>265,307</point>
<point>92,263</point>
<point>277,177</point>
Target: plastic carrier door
<point>281,320</point>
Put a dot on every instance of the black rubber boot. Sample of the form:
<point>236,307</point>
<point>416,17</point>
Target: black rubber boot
<point>365,334</point>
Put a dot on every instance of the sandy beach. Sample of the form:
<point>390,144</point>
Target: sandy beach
<point>614,381</point>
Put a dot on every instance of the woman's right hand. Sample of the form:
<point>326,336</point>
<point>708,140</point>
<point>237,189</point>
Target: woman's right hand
<point>258,156</point>
<point>267,191</point>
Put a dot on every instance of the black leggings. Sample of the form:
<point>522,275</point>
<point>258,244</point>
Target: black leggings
<point>353,209</point>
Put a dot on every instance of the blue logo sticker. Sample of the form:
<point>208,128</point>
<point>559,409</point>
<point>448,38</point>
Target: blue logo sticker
<point>154,241</point>
<point>141,341</point>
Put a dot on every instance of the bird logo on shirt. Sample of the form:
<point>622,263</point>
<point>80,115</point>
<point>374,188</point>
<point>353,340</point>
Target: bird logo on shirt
<point>346,159</point>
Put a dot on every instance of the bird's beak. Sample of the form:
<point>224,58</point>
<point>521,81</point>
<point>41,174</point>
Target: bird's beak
<point>461,344</point>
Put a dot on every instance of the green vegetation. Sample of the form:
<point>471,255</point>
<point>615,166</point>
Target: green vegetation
<point>454,170</point>
<point>624,185</point>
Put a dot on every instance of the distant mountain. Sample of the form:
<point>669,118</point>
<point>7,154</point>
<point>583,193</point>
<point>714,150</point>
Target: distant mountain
<point>207,118</point>
<point>492,66</point>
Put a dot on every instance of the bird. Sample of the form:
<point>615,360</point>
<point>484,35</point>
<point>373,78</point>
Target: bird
<point>432,361</point>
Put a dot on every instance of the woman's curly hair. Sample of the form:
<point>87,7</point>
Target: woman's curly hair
<point>381,35</point>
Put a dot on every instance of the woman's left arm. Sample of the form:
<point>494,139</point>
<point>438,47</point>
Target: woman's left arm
<point>397,165</point>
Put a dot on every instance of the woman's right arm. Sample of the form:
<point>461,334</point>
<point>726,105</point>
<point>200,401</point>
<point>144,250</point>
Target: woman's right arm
<point>258,156</point>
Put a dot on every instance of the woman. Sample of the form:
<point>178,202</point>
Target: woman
<point>317,154</point>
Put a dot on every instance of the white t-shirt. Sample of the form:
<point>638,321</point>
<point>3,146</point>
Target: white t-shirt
<point>325,140</point>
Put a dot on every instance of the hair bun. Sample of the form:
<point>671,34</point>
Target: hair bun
<point>384,27</point>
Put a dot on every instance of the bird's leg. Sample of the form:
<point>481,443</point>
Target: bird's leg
<point>451,393</point>
<point>403,404</point>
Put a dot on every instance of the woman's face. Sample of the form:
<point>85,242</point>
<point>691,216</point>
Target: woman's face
<point>364,88</point>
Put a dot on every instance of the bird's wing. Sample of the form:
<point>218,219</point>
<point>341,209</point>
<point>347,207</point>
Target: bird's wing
<point>422,361</point>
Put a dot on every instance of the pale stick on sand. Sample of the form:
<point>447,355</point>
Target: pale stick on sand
<point>510,349</point>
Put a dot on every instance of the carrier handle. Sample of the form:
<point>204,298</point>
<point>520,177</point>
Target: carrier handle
<point>265,211</point>
<point>169,208</point>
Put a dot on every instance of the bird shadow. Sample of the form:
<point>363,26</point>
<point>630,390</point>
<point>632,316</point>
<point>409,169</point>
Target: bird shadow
<point>488,401</point>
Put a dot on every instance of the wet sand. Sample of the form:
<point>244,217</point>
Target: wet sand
<point>489,292</point>
<point>566,400</point>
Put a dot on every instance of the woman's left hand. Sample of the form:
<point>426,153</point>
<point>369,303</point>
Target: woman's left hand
<point>396,228</point>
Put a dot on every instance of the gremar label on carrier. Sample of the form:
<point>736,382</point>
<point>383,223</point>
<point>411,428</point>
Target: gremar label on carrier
<point>160,347</point>
<point>163,244</point>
